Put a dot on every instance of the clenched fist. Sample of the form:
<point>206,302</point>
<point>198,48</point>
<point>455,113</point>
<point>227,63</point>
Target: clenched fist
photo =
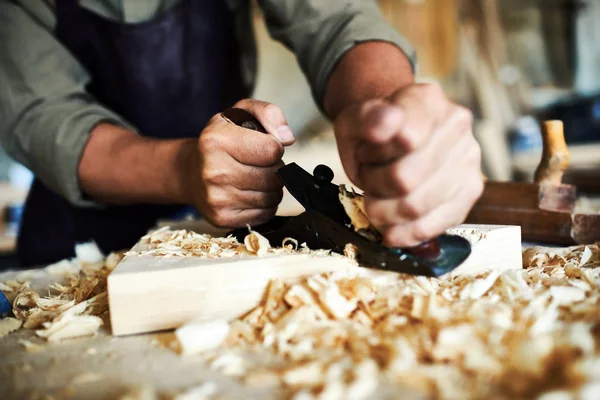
<point>232,171</point>
<point>416,159</point>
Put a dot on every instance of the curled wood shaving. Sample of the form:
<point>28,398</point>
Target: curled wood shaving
<point>512,334</point>
<point>256,243</point>
<point>354,205</point>
<point>73,307</point>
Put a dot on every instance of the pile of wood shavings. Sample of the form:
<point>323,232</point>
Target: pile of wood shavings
<point>183,243</point>
<point>72,309</point>
<point>517,334</point>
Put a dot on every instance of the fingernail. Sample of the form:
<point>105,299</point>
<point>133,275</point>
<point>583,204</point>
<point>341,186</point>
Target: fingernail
<point>285,133</point>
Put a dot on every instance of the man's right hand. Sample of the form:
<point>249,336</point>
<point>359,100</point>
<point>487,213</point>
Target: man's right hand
<point>232,171</point>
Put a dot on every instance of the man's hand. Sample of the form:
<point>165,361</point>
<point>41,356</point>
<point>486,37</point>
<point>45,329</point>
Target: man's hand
<point>414,155</point>
<point>232,170</point>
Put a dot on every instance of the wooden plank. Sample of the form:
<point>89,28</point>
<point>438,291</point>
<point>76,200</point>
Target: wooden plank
<point>148,293</point>
<point>495,247</point>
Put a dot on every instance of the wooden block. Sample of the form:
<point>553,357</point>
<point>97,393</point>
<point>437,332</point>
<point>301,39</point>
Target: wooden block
<point>148,293</point>
<point>522,195</point>
<point>495,247</point>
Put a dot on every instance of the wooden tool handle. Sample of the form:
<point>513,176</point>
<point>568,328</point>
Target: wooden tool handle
<point>555,156</point>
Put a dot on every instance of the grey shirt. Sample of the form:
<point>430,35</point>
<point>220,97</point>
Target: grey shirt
<point>46,115</point>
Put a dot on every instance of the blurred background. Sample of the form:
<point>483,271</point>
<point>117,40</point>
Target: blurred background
<point>512,62</point>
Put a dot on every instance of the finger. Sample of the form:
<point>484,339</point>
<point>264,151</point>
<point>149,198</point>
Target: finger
<point>423,111</point>
<point>244,145</point>
<point>437,221</point>
<point>375,122</point>
<point>436,190</point>
<point>241,218</point>
<point>250,199</point>
<point>271,117</point>
<point>261,179</point>
<point>444,152</point>
<point>380,127</point>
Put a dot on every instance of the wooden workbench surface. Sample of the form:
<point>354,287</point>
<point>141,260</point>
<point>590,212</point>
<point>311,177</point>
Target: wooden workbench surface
<point>109,367</point>
<point>102,366</point>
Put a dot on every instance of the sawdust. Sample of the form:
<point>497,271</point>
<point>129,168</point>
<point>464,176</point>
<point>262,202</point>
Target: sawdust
<point>72,308</point>
<point>512,334</point>
<point>531,333</point>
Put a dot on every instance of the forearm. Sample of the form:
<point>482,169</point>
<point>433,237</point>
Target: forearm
<point>369,70</point>
<point>119,166</point>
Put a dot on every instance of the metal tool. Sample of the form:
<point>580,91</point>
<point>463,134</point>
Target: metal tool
<point>325,224</point>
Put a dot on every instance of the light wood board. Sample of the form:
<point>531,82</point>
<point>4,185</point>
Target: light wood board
<point>148,293</point>
<point>496,247</point>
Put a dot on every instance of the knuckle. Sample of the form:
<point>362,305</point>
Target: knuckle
<point>272,151</point>
<point>410,140</point>
<point>473,154</point>
<point>271,111</point>
<point>477,189</point>
<point>432,89</point>
<point>411,208</point>
<point>209,141</point>
<point>220,218</point>
<point>423,231</point>
<point>242,103</point>
<point>374,212</point>
<point>215,200</point>
<point>401,180</point>
<point>464,116</point>
<point>214,176</point>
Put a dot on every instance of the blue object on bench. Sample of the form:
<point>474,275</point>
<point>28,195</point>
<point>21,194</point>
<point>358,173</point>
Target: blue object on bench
<point>5,306</point>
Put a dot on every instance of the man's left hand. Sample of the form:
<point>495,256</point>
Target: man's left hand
<point>416,159</point>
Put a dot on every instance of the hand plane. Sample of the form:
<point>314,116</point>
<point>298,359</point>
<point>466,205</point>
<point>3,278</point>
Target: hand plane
<point>325,224</point>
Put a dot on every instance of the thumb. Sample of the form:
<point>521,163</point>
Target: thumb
<point>271,117</point>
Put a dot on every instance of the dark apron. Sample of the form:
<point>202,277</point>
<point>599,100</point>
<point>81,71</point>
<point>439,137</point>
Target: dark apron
<point>167,77</point>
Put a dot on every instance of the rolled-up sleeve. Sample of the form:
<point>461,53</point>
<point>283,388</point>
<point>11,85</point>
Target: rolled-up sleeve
<point>320,32</point>
<point>46,115</point>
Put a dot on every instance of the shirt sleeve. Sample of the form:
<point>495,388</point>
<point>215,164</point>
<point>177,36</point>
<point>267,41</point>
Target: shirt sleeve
<point>320,32</point>
<point>46,115</point>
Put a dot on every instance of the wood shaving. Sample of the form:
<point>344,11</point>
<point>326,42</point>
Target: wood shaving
<point>204,391</point>
<point>8,325</point>
<point>256,243</point>
<point>183,243</point>
<point>354,205</point>
<point>72,308</point>
<point>512,334</point>
<point>197,337</point>
<point>530,333</point>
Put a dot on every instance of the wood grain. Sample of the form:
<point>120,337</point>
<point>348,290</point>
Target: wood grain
<point>149,293</point>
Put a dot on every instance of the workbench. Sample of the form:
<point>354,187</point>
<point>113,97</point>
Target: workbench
<point>107,367</point>
<point>150,366</point>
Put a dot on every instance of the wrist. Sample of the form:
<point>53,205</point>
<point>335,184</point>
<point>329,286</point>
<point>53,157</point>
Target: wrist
<point>367,71</point>
<point>183,186</point>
